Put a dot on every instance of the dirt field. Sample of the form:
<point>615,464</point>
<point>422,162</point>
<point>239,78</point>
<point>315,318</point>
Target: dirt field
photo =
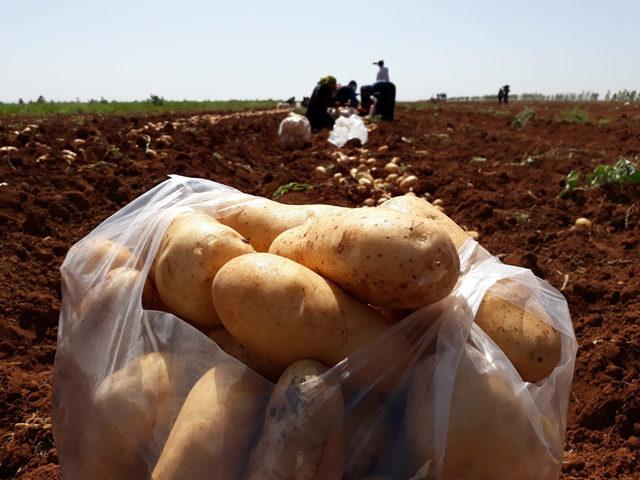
<point>502,182</point>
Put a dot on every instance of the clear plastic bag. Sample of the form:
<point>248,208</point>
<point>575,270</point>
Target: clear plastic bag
<point>139,393</point>
<point>347,128</point>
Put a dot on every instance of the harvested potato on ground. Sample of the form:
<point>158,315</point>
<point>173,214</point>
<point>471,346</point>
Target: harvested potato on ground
<point>105,254</point>
<point>285,312</point>
<point>260,221</point>
<point>420,208</point>
<point>521,328</point>
<point>127,407</point>
<point>489,436</point>
<point>302,436</point>
<point>232,347</point>
<point>380,256</point>
<point>212,435</point>
<point>192,251</point>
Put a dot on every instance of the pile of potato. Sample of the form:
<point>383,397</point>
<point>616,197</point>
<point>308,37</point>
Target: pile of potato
<point>291,291</point>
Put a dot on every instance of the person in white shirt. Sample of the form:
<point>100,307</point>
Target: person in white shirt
<point>383,72</point>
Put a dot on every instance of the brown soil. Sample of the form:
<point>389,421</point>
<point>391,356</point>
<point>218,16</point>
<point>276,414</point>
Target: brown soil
<point>510,199</point>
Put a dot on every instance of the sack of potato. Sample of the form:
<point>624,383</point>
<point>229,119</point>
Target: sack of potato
<point>209,334</point>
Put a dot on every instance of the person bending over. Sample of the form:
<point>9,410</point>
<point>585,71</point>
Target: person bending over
<point>321,100</point>
<point>346,95</point>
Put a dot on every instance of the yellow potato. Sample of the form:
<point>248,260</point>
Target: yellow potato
<point>192,251</point>
<point>262,220</point>
<point>285,312</point>
<point>380,256</point>
<point>521,328</point>
<point>104,299</point>
<point>211,438</point>
<point>420,208</point>
<point>98,254</point>
<point>489,436</point>
<point>232,347</point>
<point>302,434</point>
<point>127,407</point>
<point>368,435</point>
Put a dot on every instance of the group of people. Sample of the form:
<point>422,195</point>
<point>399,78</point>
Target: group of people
<point>376,99</point>
<point>503,95</point>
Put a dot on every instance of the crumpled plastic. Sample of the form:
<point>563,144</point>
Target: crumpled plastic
<point>450,406</point>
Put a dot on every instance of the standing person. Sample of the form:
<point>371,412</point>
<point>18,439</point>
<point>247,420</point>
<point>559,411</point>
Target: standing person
<point>505,94</point>
<point>321,100</point>
<point>500,96</point>
<point>383,72</point>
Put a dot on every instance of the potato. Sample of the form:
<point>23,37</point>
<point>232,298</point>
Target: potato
<point>489,436</point>
<point>193,249</point>
<point>368,434</point>
<point>285,312</point>
<point>100,253</point>
<point>521,328</point>
<point>103,298</point>
<point>420,208</point>
<point>262,220</point>
<point>151,298</point>
<point>302,434</point>
<point>211,437</point>
<point>127,407</point>
<point>378,255</point>
<point>232,347</point>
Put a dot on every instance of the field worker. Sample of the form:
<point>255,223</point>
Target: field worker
<point>503,95</point>
<point>346,95</point>
<point>321,100</point>
<point>383,72</point>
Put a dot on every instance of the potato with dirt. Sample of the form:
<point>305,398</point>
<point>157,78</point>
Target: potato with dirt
<point>520,326</point>
<point>302,436</point>
<point>193,249</point>
<point>421,208</point>
<point>211,437</point>
<point>489,435</point>
<point>285,312</point>
<point>508,314</point>
<point>232,347</point>
<point>368,433</point>
<point>380,256</point>
<point>131,411</point>
<point>262,220</point>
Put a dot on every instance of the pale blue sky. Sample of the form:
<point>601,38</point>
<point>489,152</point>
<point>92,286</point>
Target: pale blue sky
<point>192,49</point>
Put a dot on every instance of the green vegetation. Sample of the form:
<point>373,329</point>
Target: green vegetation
<point>573,115</point>
<point>622,172</point>
<point>291,187</point>
<point>477,160</point>
<point>523,117</point>
<point>153,106</point>
<point>604,121</point>
<point>520,217</point>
